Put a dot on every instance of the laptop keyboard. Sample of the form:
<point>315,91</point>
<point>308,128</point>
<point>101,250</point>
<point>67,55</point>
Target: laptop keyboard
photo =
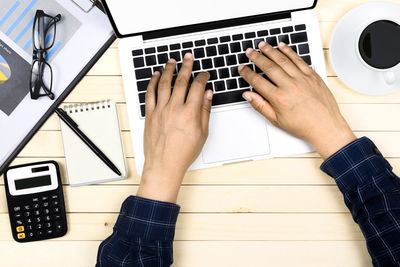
<point>220,56</point>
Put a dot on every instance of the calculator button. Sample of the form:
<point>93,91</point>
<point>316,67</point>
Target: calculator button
<point>27,207</point>
<point>46,211</point>
<point>55,202</point>
<point>48,224</point>
<point>54,197</point>
<point>18,215</point>
<point>49,231</point>
<point>27,214</point>
<point>20,229</point>
<point>45,204</point>
<point>57,217</point>
<point>35,206</point>
<point>47,218</point>
<point>56,209</point>
<point>21,235</point>
<point>59,226</point>
<point>36,213</point>
<point>38,220</point>
<point>35,199</point>
<point>38,226</point>
<point>45,198</point>
<point>40,232</point>
<point>29,227</point>
<point>30,234</point>
<point>29,220</point>
<point>17,208</point>
<point>18,222</point>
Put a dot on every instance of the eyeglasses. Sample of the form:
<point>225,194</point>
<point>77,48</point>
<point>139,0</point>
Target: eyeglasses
<point>44,35</point>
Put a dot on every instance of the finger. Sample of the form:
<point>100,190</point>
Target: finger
<point>280,59</point>
<point>182,81</point>
<point>151,93</point>
<point>295,58</point>
<point>264,87</point>
<point>270,68</point>
<point>206,109</point>
<point>196,91</point>
<point>164,85</point>
<point>261,106</point>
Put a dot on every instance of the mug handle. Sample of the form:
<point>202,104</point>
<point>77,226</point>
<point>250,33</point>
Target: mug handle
<point>390,77</point>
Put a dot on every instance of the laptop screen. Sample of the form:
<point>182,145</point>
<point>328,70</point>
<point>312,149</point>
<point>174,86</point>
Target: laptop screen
<point>133,17</point>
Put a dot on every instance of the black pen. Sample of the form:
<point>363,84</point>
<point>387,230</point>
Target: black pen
<point>74,127</point>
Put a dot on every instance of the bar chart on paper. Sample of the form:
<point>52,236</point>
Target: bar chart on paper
<point>17,18</point>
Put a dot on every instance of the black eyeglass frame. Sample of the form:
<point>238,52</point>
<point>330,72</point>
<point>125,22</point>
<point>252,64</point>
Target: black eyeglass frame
<point>40,55</point>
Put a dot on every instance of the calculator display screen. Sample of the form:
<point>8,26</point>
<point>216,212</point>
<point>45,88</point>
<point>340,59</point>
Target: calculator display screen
<point>32,182</point>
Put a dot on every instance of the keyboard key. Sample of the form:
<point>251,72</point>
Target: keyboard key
<point>209,86</point>
<point>246,44</point>
<point>225,39</point>
<point>211,51</point>
<point>212,41</point>
<point>26,214</point>
<point>184,52</point>
<point>272,41</point>
<point>162,58</point>
<point>251,66</point>
<point>175,46</point>
<point>45,204</point>
<point>137,52</point>
<point>48,224</point>
<point>207,63</point>
<point>223,49</point>
<point>262,33</point>
<point>150,50</point>
<point>284,39</point>
<point>143,110</point>
<point>243,83</point>
<point>151,60</point>
<point>230,60</point>
<point>35,199</point>
<point>307,59</point>
<point>287,29</point>
<point>28,221</point>
<point>160,69</point>
<point>142,85</point>
<point>45,198</point>
<point>38,220</point>
<point>49,231</point>
<point>18,222</point>
<point>57,217</point>
<point>29,227</point>
<point>223,73</point>
<point>235,47</point>
<point>46,211</point>
<point>142,98</point>
<point>199,53</point>
<point>196,65</point>
<point>257,69</point>
<point>237,37</point>
<point>219,86</point>
<point>162,48</point>
<point>39,226</point>
<point>54,196</point>
<point>242,58</point>
<point>27,207</point>
<point>234,72</point>
<point>250,35</point>
<point>18,215</point>
<point>187,44</point>
<point>36,205</point>
<point>304,49</point>
<point>213,75</point>
<point>36,212</point>
<point>175,55</point>
<point>300,27</point>
<point>275,31</point>
<point>294,48</point>
<point>228,98</point>
<point>257,41</point>
<point>138,62</point>
<point>143,73</point>
<point>17,208</point>
<point>39,233</point>
<point>299,37</point>
<point>200,42</point>
<point>231,84</point>
<point>219,62</point>
<point>47,218</point>
<point>58,226</point>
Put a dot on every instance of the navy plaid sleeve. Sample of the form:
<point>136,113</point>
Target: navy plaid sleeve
<point>143,235</point>
<point>372,193</point>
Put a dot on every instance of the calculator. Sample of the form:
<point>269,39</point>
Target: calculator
<point>35,201</point>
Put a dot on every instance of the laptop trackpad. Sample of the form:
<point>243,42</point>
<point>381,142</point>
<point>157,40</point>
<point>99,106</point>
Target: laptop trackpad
<point>236,134</point>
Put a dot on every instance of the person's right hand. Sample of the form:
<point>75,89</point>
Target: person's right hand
<point>298,101</point>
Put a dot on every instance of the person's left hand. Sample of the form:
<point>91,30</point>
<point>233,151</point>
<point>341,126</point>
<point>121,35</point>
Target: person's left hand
<point>176,129</point>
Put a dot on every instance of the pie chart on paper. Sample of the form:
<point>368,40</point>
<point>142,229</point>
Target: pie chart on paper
<point>5,72</point>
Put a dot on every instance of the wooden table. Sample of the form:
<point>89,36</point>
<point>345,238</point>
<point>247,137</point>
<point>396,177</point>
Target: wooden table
<point>276,212</point>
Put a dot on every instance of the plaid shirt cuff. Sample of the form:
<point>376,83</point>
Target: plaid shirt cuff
<point>147,219</point>
<point>355,164</point>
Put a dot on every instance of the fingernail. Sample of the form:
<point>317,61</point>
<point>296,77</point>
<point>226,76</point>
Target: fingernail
<point>249,50</point>
<point>281,44</point>
<point>156,73</point>
<point>188,56</point>
<point>209,95</point>
<point>240,67</point>
<point>247,97</point>
<point>171,60</point>
<point>262,44</point>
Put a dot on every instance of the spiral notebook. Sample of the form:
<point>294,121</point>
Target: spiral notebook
<point>99,121</point>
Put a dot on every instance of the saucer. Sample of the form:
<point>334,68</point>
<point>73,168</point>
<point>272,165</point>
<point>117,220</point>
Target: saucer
<point>343,49</point>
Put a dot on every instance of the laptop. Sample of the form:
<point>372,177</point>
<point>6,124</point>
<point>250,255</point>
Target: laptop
<point>217,33</point>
